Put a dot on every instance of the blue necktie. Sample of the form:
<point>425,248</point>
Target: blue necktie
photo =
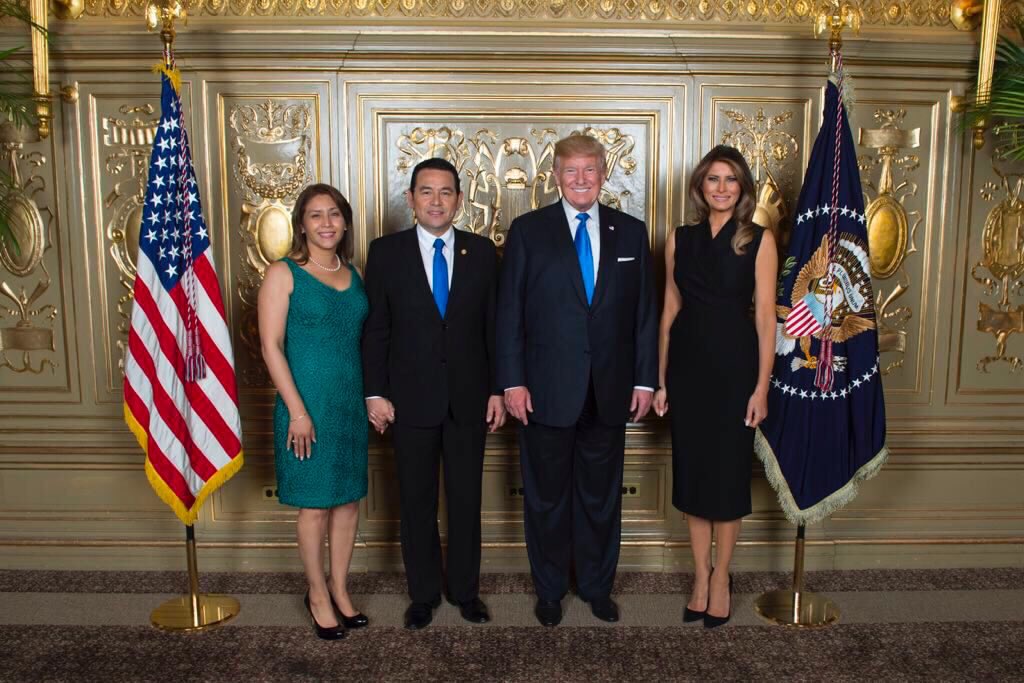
<point>440,277</point>
<point>585,255</point>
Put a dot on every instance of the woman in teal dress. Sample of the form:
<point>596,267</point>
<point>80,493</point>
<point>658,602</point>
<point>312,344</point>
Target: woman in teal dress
<point>311,311</point>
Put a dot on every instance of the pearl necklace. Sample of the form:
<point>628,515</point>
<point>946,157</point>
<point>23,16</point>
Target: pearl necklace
<point>329,269</point>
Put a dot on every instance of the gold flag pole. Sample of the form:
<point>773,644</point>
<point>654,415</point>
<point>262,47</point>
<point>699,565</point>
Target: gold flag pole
<point>195,611</point>
<point>796,606</point>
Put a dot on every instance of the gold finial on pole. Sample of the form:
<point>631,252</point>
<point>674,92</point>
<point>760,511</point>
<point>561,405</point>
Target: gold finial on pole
<point>833,18</point>
<point>161,14</point>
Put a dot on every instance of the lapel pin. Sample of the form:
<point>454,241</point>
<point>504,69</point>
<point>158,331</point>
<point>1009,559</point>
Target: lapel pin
<point>611,227</point>
<point>463,252</point>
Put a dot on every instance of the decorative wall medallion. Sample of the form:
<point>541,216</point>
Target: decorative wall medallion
<point>25,343</point>
<point>767,148</point>
<point>272,144</point>
<point>891,230</point>
<point>507,176</point>
<point>1003,258</point>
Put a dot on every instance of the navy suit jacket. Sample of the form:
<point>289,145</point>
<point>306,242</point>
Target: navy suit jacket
<point>550,341</point>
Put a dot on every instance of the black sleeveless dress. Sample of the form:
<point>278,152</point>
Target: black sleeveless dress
<point>711,373</point>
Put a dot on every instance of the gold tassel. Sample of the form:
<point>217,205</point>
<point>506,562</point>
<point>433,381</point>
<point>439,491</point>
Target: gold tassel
<point>173,75</point>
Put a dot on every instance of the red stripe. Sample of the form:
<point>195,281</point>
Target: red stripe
<point>135,404</point>
<point>215,360</point>
<point>163,402</point>
<point>169,474</point>
<point>200,402</point>
<point>204,272</point>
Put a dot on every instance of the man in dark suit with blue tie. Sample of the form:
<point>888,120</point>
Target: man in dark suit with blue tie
<point>428,371</point>
<point>577,358</point>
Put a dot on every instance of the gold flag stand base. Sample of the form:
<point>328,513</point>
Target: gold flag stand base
<point>797,607</point>
<point>179,614</point>
<point>195,611</point>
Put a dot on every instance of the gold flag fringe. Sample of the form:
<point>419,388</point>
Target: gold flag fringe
<point>827,505</point>
<point>172,73</point>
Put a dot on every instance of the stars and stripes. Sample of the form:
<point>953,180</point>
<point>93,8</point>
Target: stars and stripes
<point>180,396</point>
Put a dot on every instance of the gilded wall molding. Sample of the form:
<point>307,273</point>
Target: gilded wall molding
<point>27,316</point>
<point>892,230</point>
<point>1000,270</point>
<point>917,13</point>
<point>272,145</point>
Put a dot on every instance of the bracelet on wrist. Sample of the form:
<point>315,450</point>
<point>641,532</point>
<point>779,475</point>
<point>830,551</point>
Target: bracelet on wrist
<point>296,419</point>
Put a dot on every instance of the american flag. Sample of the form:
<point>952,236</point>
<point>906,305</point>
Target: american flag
<point>180,398</point>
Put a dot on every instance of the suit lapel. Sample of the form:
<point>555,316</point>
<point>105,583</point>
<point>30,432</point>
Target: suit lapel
<point>460,264</point>
<point>414,262</point>
<point>606,269</point>
<point>562,240</point>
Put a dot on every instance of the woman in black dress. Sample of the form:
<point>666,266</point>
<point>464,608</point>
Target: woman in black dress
<point>715,362</point>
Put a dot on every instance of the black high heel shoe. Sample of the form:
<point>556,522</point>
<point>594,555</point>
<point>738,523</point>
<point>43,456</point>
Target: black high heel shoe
<point>710,620</point>
<point>325,633</point>
<point>691,615</point>
<point>357,620</point>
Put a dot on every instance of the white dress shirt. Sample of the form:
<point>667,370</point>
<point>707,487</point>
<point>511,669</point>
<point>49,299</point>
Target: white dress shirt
<point>427,252</point>
<point>593,229</point>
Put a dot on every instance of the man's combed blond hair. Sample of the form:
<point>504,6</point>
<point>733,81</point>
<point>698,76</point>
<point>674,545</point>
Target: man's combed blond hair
<point>580,146</point>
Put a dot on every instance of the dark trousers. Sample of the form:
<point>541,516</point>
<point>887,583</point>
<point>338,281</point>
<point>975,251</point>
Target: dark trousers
<point>572,484</point>
<point>418,452</point>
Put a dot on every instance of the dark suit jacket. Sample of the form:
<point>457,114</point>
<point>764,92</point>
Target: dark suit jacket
<point>552,342</point>
<point>422,363</point>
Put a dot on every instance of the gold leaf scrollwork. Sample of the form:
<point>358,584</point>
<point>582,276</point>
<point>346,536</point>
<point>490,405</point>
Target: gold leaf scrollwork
<point>128,139</point>
<point>892,231</point>
<point>1003,258</point>
<point>885,13</point>
<point>505,177</point>
<point>272,145</point>
<point>26,337</point>
<point>767,147</point>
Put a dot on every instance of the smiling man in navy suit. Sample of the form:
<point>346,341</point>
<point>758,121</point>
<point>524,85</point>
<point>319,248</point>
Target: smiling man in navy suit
<point>428,371</point>
<point>577,358</point>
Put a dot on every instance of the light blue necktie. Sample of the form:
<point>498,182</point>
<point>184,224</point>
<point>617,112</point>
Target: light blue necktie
<point>441,276</point>
<point>585,255</point>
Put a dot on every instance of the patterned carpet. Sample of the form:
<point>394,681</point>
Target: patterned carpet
<point>907,644</point>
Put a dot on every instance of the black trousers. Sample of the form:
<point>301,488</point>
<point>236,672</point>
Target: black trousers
<point>418,452</point>
<point>572,485</point>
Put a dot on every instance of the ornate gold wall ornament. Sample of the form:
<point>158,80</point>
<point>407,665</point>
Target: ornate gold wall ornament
<point>891,230</point>
<point>923,13</point>
<point>509,176</point>
<point>1003,258</point>
<point>767,148</point>
<point>272,144</point>
<point>128,142</point>
<point>30,229</point>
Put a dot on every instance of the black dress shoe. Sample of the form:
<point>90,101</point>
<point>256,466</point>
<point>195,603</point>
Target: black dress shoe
<point>474,610</point>
<point>357,620</point>
<point>420,614</point>
<point>711,621</point>
<point>326,633</point>
<point>548,612</point>
<point>604,609</point>
<point>690,615</point>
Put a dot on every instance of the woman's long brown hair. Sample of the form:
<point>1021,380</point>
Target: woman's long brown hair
<point>743,214</point>
<point>300,248</point>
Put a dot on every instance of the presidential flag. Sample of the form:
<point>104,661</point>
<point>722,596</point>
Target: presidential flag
<point>825,430</point>
<point>180,398</point>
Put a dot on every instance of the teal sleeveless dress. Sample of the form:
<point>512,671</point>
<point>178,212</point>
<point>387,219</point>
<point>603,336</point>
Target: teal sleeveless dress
<point>321,344</point>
